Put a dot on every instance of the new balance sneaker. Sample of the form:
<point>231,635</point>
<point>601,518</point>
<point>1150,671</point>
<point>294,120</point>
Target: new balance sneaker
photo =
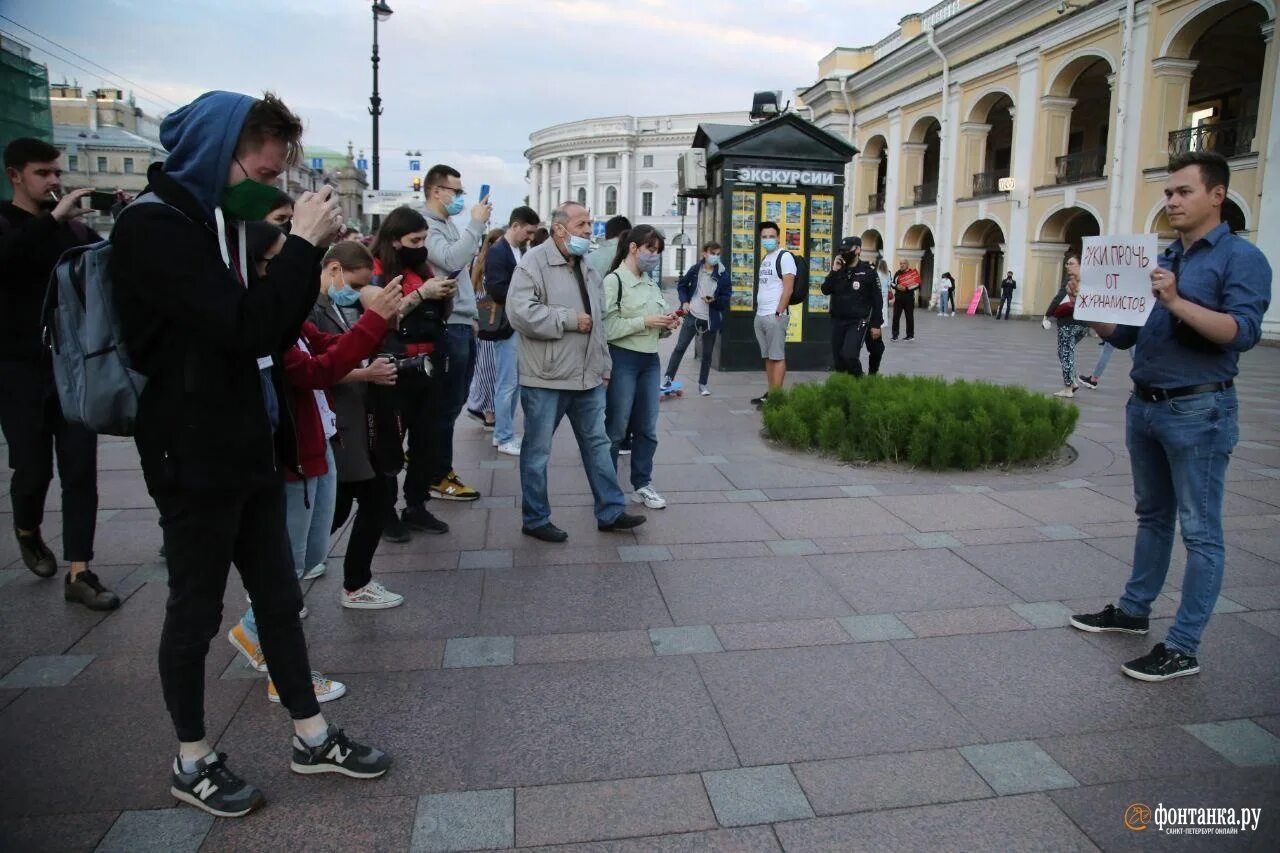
<point>704,391</point>
<point>244,644</point>
<point>418,517</point>
<point>453,489</point>
<point>326,689</point>
<point>1161,664</point>
<point>339,754</point>
<point>510,448</point>
<point>1109,619</point>
<point>371,596</point>
<point>622,523</point>
<point>315,571</point>
<point>36,555</point>
<point>649,496</point>
<point>86,589</point>
<point>214,788</point>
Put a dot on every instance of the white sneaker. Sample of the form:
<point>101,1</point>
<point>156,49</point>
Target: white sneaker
<point>704,390</point>
<point>494,441</point>
<point>326,689</point>
<point>372,596</point>
<point>1066,393</point>
<point>510,448</point>
<point>315,571</point>
<point>302,614</point>
<point>648,496</point>
<point>666,384</point>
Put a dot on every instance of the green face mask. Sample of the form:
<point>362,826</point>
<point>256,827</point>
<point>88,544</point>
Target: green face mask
<point>248,201</point>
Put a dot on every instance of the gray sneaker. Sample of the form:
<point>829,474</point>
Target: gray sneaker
<point>214,788</point>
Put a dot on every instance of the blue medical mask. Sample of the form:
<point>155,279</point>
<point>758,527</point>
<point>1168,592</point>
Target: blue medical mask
<point>455,206</point>
<point>647,261</point>
<point>769,243</point>
<point>344,296</point>
<point>713,260</point>
<point>578,246</point>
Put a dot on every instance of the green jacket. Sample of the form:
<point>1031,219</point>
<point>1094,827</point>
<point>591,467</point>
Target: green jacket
<point>624,318</point>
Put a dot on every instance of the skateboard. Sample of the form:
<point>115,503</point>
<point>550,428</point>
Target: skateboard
<point>675,390</point>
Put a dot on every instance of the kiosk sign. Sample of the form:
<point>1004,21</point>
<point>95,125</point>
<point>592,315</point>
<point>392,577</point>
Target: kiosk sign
<point>1115,279</point>
<point>808,177</point>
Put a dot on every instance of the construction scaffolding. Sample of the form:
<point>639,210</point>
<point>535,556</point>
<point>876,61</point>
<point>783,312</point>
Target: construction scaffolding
<point>24,98</point>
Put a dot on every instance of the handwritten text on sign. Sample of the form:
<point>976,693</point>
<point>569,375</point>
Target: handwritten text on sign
<point>1115,279</point>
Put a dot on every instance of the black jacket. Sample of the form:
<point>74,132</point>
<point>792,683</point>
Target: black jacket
<point>499,266</point>
<point>849,302</point>
<point>197,334</point>
<point>1007,286</point>
<point>29,248</point>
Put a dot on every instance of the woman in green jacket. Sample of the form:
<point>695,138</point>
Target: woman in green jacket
<point>635,317</point>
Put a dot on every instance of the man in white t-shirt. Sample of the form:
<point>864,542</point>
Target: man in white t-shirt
<point>773,295</point>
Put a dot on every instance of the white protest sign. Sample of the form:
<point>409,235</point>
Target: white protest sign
<point>1115,279</point>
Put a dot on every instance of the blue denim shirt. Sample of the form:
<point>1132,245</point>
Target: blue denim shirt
<point>1222,272</point>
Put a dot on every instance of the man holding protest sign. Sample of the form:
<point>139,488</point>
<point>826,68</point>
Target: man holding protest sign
<point>1204,306</point>
<point>906,282</point>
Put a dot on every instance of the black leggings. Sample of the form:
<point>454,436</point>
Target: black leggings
<point>374,502</point>
<point>204,533</point>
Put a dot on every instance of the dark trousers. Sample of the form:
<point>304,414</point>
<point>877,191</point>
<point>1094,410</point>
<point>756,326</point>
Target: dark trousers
<point>1006,305</point>
<point>904,303</point>
<point>373,504</point>
<point>417,399</point>
<point>688,332</point>
<point>204,533</point>
<point>847,339</point>
<point>34,430</point>
<point>430,408</point>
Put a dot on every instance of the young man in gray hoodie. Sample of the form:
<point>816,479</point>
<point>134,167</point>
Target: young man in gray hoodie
<point>451,251</point>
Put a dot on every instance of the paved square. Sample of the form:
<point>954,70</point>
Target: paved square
<point>466,820</point>
<point>756,795</point>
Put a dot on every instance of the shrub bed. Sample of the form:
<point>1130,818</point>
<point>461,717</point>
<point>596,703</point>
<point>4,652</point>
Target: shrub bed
<point>924,421</point>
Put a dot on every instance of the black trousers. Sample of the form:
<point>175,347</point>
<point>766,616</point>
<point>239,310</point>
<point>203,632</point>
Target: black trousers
<point>34,429</point>
<point>204,533</point>
<point>418,400</point>
<point>904,303</point>
<point>1006,305</point>
<point>453,385</point>
<point>847,339</point>
<point>374,502</point>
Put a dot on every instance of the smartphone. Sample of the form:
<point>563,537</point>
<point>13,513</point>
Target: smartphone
<point>680,312</point>
<point>102,200</point>
<point>484,191</point>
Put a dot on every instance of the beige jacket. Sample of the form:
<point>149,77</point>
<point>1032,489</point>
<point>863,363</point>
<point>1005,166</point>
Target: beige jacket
<point>543,306</point>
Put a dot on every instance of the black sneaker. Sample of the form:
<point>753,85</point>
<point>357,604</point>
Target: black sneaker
<point>339,754</point>
<point>621,523</point>
<point>1090,382</point>
<point>86,589</point>
<point>547,533</point>
<point>1161,664</point>
<point>214,788</point>
<point>477,416</point>
<point>1110,618</point>
<point>36,555</point>
<point>394,530</point>
<point>418,518</point>
<point>760,401</point>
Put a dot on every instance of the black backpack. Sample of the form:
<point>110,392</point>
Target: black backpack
<point>800,290</point>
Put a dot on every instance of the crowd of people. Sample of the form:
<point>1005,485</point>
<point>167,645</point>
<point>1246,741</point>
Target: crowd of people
<point>294,377</point>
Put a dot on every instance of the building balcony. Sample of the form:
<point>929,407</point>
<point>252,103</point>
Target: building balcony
<point>926,193</point>
<point>988,183</point>
<point>1080,166</point>
<point>875,203</point>
<point>1228,138</point>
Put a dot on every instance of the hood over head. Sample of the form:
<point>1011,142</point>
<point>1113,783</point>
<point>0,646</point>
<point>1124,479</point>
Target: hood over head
<point>201,140</point>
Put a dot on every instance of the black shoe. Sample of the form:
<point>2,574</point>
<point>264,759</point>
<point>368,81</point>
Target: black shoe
<point>621,523</point>
<point>547,533</point>
<point>894,338</point>
<point>911,337</point>
<point>418,518</point>
<point>339,754</point>
<point>215,789</point>
<point>86,589</point>
<point>1090,382</point>
<point>1110,618</point>
<point>760,401</point>
<point>37,556</point>
<point>1161,664</point>
<point>394,530</point>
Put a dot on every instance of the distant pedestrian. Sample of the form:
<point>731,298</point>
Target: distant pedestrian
<point>704,292</point>
<point>1070,330</point>
<point>500,263</point>
<point>906,283</point>
<point>947,295</point>
<point>1006,295</point>
<point>485,377</point>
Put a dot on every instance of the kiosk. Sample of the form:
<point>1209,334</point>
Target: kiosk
<point>789,171</point>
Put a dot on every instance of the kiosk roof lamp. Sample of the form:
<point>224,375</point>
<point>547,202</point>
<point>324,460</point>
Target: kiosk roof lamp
<point>766,105</point>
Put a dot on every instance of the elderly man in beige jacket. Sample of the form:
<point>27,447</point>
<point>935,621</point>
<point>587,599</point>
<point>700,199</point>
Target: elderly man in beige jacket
<point>556,305</point>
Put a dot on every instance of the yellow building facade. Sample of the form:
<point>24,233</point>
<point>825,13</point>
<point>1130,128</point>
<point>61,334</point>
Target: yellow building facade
<point>995,134</point>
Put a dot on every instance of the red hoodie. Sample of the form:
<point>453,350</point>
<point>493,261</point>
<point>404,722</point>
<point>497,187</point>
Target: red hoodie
<point>331,358</point>
<point>409,282</point>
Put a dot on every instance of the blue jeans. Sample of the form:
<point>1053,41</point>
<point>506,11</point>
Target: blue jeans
<point>543,410</point>
<point>1179,450</point>
<point>309,526</point>
<point>632,400</point>
<point>943,298</point>
<point>504,394</point>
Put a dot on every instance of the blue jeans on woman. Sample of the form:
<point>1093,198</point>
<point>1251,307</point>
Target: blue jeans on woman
<point>944,296</point>
<point>633,402</point>
<point>506,389</point>
<point>1179,450</point>
<point>309,506</point>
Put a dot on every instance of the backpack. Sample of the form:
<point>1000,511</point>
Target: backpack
<point>799,290</point>
<point>96,383</point>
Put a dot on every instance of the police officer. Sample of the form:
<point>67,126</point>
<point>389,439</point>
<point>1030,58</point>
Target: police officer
<point>856,313</point>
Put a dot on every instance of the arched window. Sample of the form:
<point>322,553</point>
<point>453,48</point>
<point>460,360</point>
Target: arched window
<point>582,196</point>
<point>611,201</point>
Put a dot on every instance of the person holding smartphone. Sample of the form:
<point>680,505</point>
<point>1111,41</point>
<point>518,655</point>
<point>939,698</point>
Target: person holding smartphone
<point>856,308</point>
<point>704,292</point>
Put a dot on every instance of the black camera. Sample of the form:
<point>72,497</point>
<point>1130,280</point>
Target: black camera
<point>412,365</point>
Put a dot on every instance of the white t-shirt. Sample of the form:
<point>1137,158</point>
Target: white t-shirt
<point>515,250</point>
<point>771,273</point>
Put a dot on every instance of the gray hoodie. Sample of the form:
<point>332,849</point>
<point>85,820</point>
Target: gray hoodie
<point>448,250</point>
<point>543,306</point>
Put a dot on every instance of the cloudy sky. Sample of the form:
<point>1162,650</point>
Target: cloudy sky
<point>463,81</point>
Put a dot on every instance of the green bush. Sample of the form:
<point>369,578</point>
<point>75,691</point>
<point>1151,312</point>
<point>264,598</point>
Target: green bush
<point>925,421</point>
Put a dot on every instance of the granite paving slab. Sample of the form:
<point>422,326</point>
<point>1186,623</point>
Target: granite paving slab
<point>746,590</point>
<point>891,781</point>
<point>897,581</point>
<point>592,811</point>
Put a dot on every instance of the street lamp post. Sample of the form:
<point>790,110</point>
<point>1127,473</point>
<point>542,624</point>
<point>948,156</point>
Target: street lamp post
<point>381,11</point>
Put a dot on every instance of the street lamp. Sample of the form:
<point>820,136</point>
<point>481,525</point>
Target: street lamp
<point>381,11</point>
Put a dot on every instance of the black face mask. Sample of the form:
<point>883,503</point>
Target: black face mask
<point>411,258</point>
<point>287,227</point>
<point>850,258</point>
